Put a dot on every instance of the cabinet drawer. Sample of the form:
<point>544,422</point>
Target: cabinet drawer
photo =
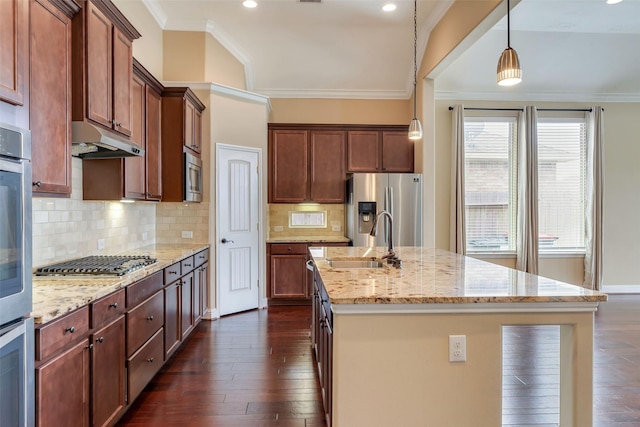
<point>186,265</point>
<point>143,289</point>
<point>172,273</point>
<point>201,257</point>
<point>143,321</point>
<point>107,309</point>
<point>62,332</point>
<point>144,364</point>
<point>288,248</point>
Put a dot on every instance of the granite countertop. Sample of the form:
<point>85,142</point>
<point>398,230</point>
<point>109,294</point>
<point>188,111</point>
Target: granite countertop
<point>434,276</point>
<point>55,296</point>
<point>309,239</point>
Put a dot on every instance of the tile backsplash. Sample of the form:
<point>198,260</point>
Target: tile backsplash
<point>279,220</point>
<point>66,228</point>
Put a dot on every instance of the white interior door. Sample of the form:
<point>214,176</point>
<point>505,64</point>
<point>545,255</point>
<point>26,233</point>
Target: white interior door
<point>238,234</point>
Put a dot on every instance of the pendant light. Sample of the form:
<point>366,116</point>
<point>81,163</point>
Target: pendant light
<point>415,127</point>
<point>509,72</point>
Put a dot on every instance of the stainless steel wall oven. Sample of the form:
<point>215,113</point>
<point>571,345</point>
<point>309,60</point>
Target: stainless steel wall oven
<point>16,328</point>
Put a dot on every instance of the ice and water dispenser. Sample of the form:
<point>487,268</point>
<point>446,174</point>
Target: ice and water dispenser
<point>366,214</point>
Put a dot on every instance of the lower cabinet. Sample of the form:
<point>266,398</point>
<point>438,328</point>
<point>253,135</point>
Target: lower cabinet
<point>62,386</point>
<point>171,319</point>
<point>322,343</point>
<point>186,305</point>
<point>200,295</point>
<point>144,364</point>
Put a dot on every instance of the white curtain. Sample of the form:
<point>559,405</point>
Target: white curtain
<point>594,199</point>
<point>527,211</point>
<point>457,224</point>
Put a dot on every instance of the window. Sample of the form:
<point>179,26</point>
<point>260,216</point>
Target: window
<point>490,183</point>
<point>561,184</point>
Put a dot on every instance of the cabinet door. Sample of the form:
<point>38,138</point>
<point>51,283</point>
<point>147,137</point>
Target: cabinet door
<point>14,50</point>
<point>134,173</point>
<point>363,151</point>
<point>397,152</point>
<point>289,276</point>
<point>153,146</point>
<point>327,171</point>
<point>50,110</point>
<point>62,389</point>
<point>200,286</point>
<point>288,159</point>
<point>108,380</point>
<point>171,319</point>
<point>189,114</point>
<point>122,78</point>
<point>99,66</point>
<point>197,131</point>
<point>186,306</point>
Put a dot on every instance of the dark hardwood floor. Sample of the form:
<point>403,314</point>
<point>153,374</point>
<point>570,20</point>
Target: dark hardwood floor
<point>256,369</point>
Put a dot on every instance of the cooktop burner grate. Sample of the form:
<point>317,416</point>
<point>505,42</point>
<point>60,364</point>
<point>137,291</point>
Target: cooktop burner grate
<point>110,265</point>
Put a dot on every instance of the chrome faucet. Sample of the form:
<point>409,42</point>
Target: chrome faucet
<point>391,256</point>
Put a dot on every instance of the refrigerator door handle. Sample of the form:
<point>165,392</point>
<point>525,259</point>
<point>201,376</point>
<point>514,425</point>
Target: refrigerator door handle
<point>387,207</point>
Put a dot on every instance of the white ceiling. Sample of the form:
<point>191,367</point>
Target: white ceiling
<point>569,49</point>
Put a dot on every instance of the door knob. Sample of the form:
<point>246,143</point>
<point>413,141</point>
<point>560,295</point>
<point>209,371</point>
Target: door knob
<point>226,241</point>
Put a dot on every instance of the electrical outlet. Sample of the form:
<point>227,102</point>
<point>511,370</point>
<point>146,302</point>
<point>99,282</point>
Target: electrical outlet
<point>278,228</point>
<point>336,228</point>
<point>145,236</point>
<point>187,234</point>
<point>457,348</point>
<point>101,244</point>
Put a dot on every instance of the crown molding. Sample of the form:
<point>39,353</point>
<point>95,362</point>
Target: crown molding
<point>223,90</point>
<point>537,96</point>
<point>157,12</point>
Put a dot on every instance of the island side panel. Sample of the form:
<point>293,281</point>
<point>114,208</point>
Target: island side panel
<point>393,369</point>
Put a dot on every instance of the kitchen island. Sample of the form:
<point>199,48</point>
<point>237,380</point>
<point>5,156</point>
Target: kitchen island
<point>382,337</point>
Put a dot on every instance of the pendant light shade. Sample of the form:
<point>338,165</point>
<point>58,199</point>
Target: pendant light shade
<point>415,127</point>
<point>509,72</point>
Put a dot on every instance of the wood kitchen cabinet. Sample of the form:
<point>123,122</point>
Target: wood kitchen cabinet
<point>181,132</point>
<point>50,111</point>
<point>200,285</point>
<point>14,51</point>
<point>288,279</point>
<point>134,178</point>
<point>380,150</point>
<point>322,343</point>
<point>108,375</point>
<point>306,165</point>
<point>103,66</point>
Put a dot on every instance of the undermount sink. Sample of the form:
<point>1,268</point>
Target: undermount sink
<point>355,263</point>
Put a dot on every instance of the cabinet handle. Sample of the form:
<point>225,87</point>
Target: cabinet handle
<point>70,329</point>
<point>147,194</point>
<point>201,256</point>
<point>150,317</point>
<point>150,360</point>
<point>187,265</point>
<point>89,347</point>
<point>119,125</point>
<point>114,305</point>
<point>37,184</point>
<point>101,339</point>
<point>173,272</point>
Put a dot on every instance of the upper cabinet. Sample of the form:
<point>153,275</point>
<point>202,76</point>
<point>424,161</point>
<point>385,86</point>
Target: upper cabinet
<point>133,178</point>
<point>181,136</point>
<point>386,149</point>
<point>50,110</point>
<point>306,165</point>
<point>14,51</point>
<point>102,66</point>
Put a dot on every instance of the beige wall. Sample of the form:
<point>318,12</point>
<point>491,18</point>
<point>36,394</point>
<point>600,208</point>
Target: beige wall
<point>148,48</point>
<point>184,56</point>
<point>221,66</point>
<point>621,234</point>
<point>341,111</point>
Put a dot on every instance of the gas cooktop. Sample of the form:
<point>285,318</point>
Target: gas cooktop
<point>109,265</point>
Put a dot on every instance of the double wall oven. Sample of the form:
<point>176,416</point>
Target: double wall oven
<point>16,327</point>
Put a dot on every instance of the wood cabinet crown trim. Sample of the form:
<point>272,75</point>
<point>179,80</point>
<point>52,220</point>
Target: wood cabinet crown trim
<point>117,18</point>
<point>68,7</point>
<point>149,79</point>
<point>186,93</point>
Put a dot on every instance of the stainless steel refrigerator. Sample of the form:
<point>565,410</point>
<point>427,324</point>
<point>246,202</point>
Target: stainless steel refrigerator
<point>398,193</point>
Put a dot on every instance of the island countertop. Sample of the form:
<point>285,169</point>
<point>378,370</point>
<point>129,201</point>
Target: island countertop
<point>434,276</point>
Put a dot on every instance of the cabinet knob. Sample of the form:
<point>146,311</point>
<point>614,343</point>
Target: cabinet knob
<point>37,184</point>
<point>148,194</point>
<point>187,265</point>
<point>101,339</point>
<point>150,360</point>
<point>150,317</point>
<point>89,347</point>
<point>70,329</point>
<point>114,305</point>
<point>173,272</point>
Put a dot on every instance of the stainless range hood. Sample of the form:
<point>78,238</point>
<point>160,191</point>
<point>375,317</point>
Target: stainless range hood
<point>92,142</point>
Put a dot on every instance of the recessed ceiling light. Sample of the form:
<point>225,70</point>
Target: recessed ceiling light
<point>249,3</point>
<point>389,7</point>
<point>613,1</point>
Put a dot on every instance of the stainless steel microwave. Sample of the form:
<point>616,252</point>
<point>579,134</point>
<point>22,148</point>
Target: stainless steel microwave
<point>192,178</point>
